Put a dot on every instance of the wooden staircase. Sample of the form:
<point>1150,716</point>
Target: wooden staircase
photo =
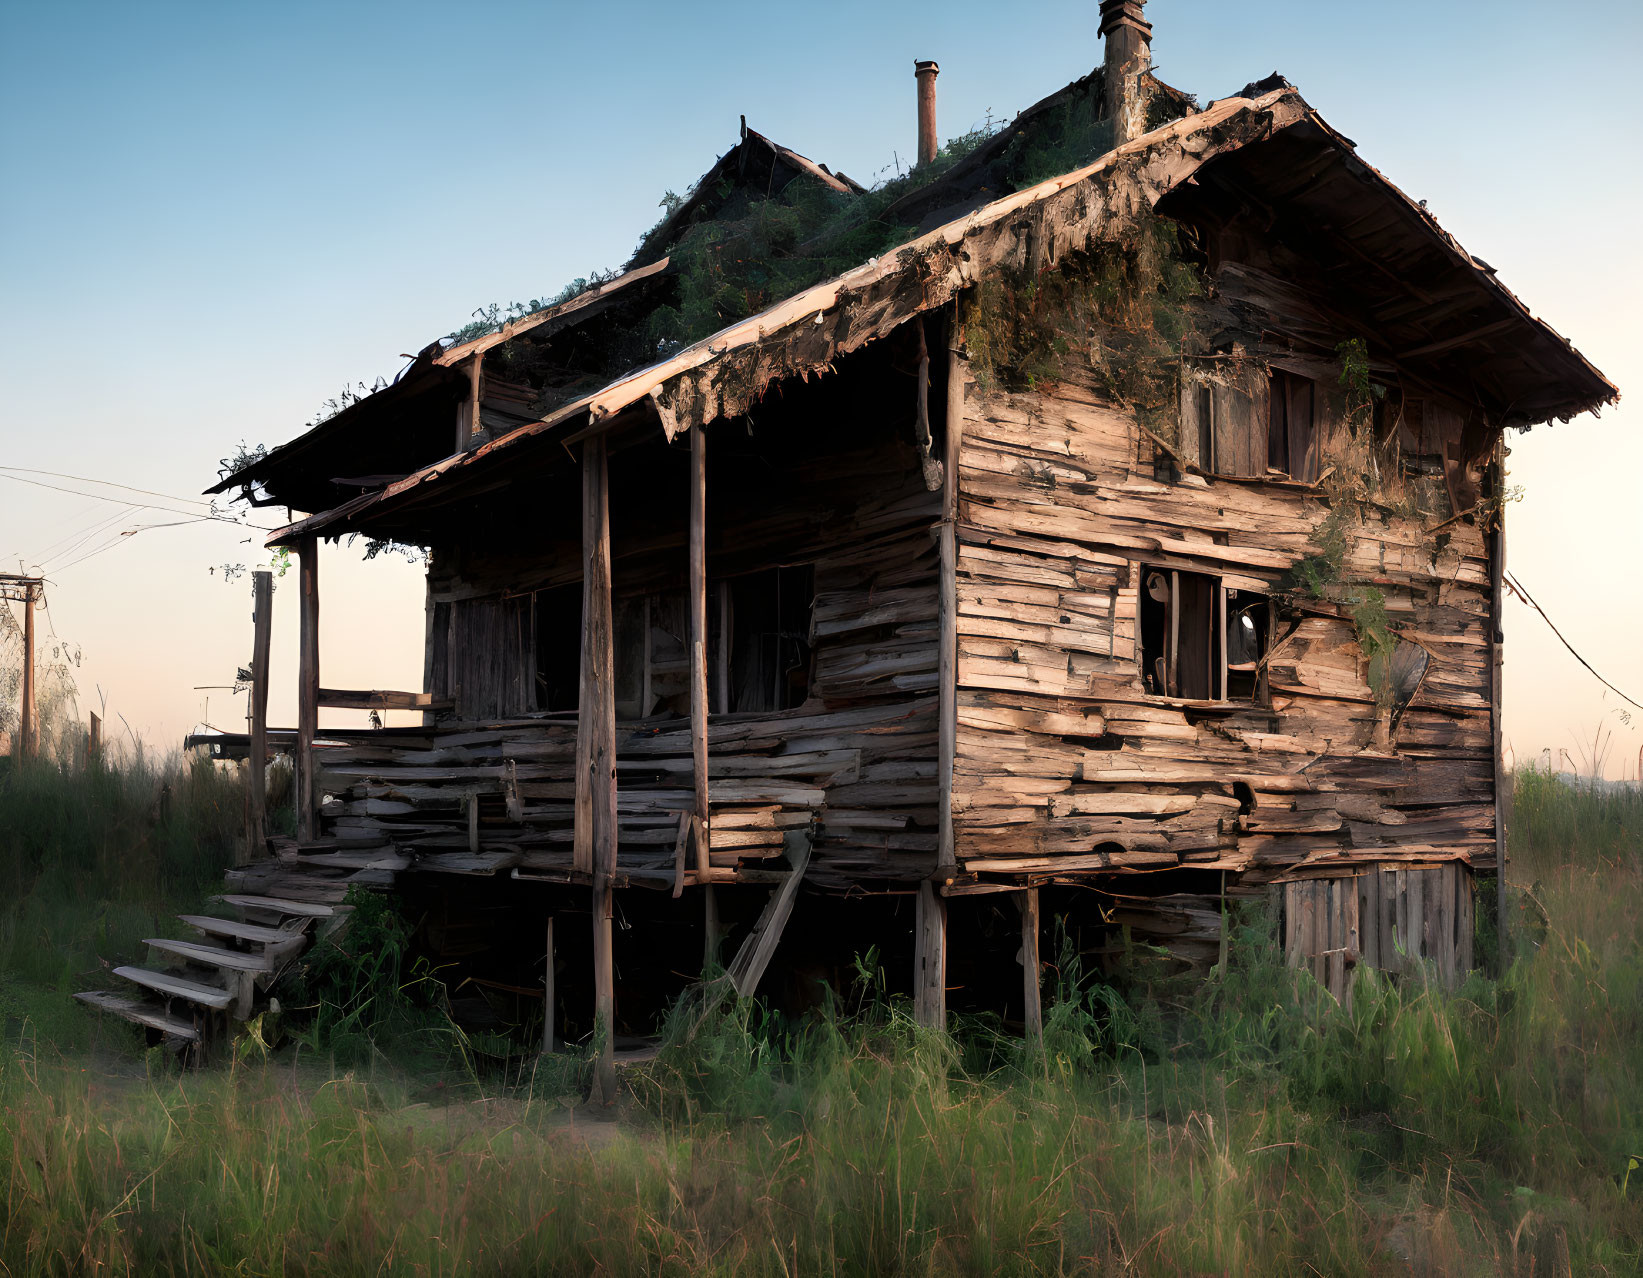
<point>193,992</point>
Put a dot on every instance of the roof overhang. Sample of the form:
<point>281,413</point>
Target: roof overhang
<point>802,336</point>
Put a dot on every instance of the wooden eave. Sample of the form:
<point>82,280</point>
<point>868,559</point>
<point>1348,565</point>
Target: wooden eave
<point>801,336</point>
<point>371,433</point>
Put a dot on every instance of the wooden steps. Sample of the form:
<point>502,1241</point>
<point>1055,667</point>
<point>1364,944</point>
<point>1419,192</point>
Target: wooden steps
<point>172,986</point>
<point>236,930</point>
<point>152,1015</point>
<point>212,955</point>
<point>197,989</point>
<point>278,905</point>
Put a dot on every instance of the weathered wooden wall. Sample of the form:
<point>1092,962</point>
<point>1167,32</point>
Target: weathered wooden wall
<point>1390,917</point>
<point>1065,764</point>
<point>855,764</point>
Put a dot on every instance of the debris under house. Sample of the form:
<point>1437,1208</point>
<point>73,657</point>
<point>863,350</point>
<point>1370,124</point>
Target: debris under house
<point>1123,539</point>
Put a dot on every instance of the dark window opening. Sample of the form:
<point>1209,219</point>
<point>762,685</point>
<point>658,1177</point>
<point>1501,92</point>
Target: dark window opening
<point>1199,640</point>
<point>1292,435</point>
<point>559,648</point>
<point>1247,635</point>
<point>766,664</point>
<point>769,627</point>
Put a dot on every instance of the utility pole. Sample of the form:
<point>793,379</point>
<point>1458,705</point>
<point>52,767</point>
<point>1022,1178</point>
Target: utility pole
<point>27,591</point>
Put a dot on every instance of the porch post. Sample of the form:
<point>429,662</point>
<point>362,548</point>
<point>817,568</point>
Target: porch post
<point>307,687</point>
<point>930,958</point>
<point>262,621</point>
<point>947,727</point>
<point>698,683</point>
<point>596,751</point>
<point>1031,969</point>
<point>698,637</point>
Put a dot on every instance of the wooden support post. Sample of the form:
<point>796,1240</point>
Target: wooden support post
<point>307,688</point>
<point>947,725</point>
<point>468,423</point>
<point>930,958</point>
<point>1173,667</point>
<point>712,935</point>
<point>1497,574</point>
<point>549,1011</point>
<point>30,726</point>
<point>1031,969</point>
<point>262,629</point>
<point>698,640</point>
<point>94,738</point>
<point>596,752</point>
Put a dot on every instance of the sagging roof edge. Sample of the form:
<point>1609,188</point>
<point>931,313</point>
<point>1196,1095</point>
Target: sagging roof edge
<point>433,356</point>
<point>683,396</point>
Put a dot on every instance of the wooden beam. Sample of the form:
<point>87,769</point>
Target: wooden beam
<point>947,725</point>
<point>1172,677</point>
<point>930,958</point>
<point>262,630</point>
<point>362,699</point>
<point>467,412</point>
<point>1497,572</point>
<point>307,686</point>
<point>748,967</point>
<point>595,837</point>
<point>549,1011</point>
<point>1031,969</point>
<point>698,640</point>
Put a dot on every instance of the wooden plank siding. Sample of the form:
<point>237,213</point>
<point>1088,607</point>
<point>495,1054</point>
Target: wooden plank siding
<point>1065,762</point>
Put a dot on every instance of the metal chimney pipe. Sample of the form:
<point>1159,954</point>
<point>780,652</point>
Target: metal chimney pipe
<point>926,73</point>
<point>1128,57</point>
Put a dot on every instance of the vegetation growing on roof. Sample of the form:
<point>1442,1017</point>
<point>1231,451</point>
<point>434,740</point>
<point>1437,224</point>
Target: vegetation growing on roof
<point>1123,306</point>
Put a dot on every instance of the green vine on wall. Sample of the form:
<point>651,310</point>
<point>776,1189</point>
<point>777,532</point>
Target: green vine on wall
<point>1125,307</point>
<point>1354,485</point>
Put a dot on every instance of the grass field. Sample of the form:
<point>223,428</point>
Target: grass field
<point>1224,1131</point>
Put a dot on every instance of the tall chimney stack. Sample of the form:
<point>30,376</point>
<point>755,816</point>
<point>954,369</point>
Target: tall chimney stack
<point>926,73</point>
<point>1129,57</point>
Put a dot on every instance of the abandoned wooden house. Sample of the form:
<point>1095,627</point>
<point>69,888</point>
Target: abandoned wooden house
<point>1125,538</point>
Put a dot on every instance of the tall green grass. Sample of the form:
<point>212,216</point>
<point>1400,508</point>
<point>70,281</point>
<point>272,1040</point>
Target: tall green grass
<point>93,858</point>
<point>1233,1131</point>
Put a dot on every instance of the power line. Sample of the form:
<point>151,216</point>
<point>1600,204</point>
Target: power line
<point>122,536</point>
<point>107,483</point>
<point>1517,589</point>
<point>74,492</point>
<point>69,544</point>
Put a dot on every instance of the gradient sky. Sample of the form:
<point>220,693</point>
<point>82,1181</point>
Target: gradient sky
<point>215,216</point>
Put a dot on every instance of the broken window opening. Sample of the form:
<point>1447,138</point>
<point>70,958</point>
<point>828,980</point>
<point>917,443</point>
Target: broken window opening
<point>769,626</point>
<point>1201,641</point>
<point>765,666</point>
<point>1292,427</point>
<point>1223,428</point>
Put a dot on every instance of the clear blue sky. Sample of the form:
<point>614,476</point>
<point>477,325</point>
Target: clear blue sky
<point>213,216</point>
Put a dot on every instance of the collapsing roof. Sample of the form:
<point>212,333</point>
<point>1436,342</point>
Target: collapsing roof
<point>1459,325</point>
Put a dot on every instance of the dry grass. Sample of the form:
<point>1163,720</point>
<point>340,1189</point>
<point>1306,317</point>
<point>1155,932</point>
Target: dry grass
<point>1485,1132</point>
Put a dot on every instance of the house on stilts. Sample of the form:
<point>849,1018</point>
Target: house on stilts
<point>1123,536</point>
